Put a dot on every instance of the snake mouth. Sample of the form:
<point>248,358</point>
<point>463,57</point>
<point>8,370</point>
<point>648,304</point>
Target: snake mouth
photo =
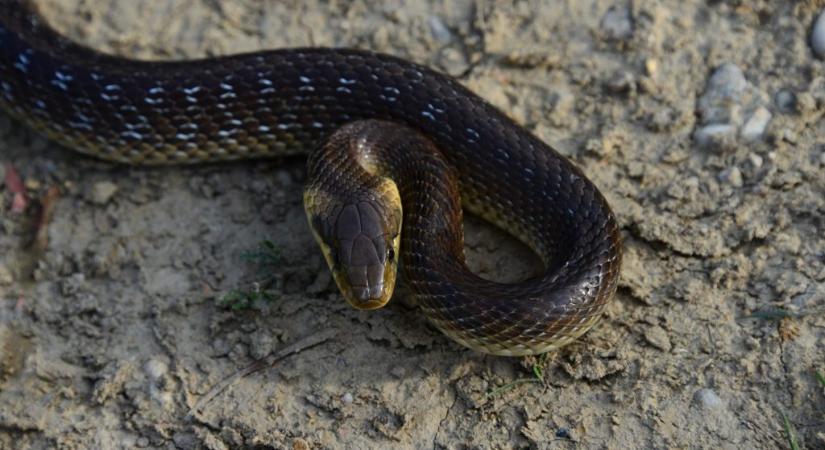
<point>369,297</point>
<point>369,305</point>
<point>365,294</point>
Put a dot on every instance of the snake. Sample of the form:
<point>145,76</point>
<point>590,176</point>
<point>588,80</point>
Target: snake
<point>396,153</point>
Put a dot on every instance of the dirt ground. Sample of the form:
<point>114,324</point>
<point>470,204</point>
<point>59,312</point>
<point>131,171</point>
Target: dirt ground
<point>702,123</point>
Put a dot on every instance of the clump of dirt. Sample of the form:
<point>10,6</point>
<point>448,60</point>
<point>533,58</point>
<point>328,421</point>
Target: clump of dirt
<point>702,123</point>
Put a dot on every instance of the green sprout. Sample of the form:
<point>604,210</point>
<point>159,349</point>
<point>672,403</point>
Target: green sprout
<point>265,257</point>
<point>538,377</point>
<point>790,433</point>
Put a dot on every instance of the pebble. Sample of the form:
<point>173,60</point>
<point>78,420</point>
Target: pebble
<point>440,30</point>
<point>818,36</point>
<point>723,96</point>
<point>755,126</point>
<point>622,83</point>
<point>347,398</point>
<point>616,24</point>
<point>756,160</point>
<point>732,176</point>
<point>651,67</point>
<point>657,337</point>
<point>155,369</point>
<point>707,399</point>
<point>728,81</point>
<point>715,135</point>
<point>102,192</point>
<point>785,101</point>
<point>32,184</point>
<point>453,61</point>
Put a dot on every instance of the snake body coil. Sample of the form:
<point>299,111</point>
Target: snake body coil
<point>280,102</point>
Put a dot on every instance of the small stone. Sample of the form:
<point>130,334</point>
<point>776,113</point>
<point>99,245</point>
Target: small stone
<point>347,398</point>
<point>728,80</point>
<point>142,442</point>
<point>755,160</point>
<point>723,97</point>
<point>102,192</point>
<point>651,66</point>
<point>707,399</point>
<point>453,61</point>
<point>755,126</point>
<point>733,176</point>
<point>439,30</point>
<point>622,83</point>
<point>785,101</point>
<point>32,184</point>
<point>6,278</point>
<point>155,368</point>
<point>657,337</point>
<point>616,24</point>
<point>718,135</point>
<point>818,36</point>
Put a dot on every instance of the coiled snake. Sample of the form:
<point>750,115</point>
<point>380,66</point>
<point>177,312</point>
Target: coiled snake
<point>399,150</point>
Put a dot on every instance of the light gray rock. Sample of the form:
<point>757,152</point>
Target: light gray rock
<point>754,127</point>
<point>616,24</point>
<point>723,96</point>
<point>707,399</point>
<point>818,36</point>
<point>717,136</point>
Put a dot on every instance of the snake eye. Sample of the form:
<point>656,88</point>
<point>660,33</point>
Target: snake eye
<point>391,254</point>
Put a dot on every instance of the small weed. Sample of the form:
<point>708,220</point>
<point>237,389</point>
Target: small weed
<point>538,366</point>
<point>265,257</point>
<point>538,377</point>
<point>773,314</point>
<point>790,433</point>
<point>237,299</point>
<point>510,385</point>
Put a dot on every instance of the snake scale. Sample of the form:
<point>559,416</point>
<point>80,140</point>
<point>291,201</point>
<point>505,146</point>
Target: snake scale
<point>399,150</point>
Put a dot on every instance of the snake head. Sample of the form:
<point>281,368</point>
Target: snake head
<point>360,241</point>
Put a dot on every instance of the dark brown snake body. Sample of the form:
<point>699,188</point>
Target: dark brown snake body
<point>273,103</point>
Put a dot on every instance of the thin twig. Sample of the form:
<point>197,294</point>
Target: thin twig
<point>269,361</point>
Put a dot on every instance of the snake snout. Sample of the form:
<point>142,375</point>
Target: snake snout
<point>365,269</point>
<point>365,258</point>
